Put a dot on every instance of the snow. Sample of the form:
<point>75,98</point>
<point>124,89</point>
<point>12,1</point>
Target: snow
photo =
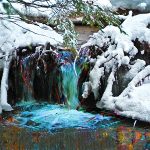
<point>138,79</point>
<point>125,60</point>
<point>95,76</point>
<point>121,41</point>
<point>141,32</point>
<point>47,9</point>
<point>33,11</point>
<point>137,106</point>
<point>143,5</point>
<point>5,106</point>
<point>50,10</point>
<point>134,101</point>
<point>15,33</point>
<point>107,100</point>
<point>134,69</point>
<point>101,3</point>
<point>86,89</point>
<point>2,10</point>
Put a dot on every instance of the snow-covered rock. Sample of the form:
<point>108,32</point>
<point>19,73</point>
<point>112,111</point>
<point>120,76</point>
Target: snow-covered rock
<point>134,101</point>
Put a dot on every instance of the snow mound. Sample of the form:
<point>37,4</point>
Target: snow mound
<point>141,32</point>
<point>134,101</point>
<point>137,106</point>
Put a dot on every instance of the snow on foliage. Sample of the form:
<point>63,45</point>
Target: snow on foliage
<point>101,3</point>
<point>136,27</point>
<point>49,9</point>
<point>134,69</point>
<point>134,101</point>
<point>31,7</point>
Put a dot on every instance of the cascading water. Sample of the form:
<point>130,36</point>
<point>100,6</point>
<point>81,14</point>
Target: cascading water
<point>69,82</point>
<point>53,81</point>
<point>49,78</point>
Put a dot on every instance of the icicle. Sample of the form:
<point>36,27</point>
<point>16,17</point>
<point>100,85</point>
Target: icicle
<point>74,63</point>
<point>86,89</point>
<point>134,123</point>
<point>4,84</point>
<point>74,67</point>
<point>0,109</point>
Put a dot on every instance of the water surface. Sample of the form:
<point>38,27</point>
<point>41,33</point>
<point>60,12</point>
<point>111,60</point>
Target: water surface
<point>56,127</point>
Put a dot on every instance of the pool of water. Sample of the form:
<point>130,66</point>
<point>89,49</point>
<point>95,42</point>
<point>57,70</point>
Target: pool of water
<point>56,127</point>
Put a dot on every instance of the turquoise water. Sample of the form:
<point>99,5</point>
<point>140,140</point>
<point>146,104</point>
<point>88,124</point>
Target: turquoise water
<point>44,126</point>
<point>51,117</point>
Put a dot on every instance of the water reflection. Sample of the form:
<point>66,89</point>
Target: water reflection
<point>68,139</point>
<point>65,129</point>
<point>128,138</point>
<point>14,138</point>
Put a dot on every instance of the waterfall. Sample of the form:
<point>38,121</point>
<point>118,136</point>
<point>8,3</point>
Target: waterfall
<point>70,85</point>
<point>46,77</point>
<point>69,80</point>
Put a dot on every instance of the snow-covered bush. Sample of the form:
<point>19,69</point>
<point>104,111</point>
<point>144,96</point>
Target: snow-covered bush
<point>119,50</point>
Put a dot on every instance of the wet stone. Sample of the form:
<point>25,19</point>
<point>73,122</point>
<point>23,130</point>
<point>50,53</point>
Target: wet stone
<point>32,123</point>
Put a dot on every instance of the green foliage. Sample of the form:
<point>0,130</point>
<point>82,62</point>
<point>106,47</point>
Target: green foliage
<point>95,15</point>
<point>7,7</point>
<point>66,26</point>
